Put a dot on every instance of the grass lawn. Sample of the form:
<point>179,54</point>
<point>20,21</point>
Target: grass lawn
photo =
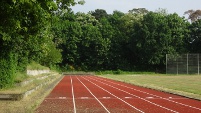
<point>187,85</point>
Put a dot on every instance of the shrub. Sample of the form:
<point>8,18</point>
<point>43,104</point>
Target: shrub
<point>8,64</point>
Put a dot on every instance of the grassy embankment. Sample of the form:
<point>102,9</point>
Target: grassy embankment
<point>186,85</point>
<point>30,103</point>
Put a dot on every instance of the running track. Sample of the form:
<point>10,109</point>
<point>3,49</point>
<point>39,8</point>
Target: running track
<point>92,94</point>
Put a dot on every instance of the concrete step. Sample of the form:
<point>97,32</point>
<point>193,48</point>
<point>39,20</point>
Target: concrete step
<point>19,96</point>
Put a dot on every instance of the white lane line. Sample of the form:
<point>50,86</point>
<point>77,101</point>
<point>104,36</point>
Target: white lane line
<point>137,96</point>
<point>127,97</point>
<point>84,97</point>
<point>106,97</point>
<point>62,97</point>
<point>152,95</point>
<point>115,96</point>
<point>73,95</point>
<point>93,95</point>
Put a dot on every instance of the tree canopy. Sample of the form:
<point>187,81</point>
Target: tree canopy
<point>50,33</point>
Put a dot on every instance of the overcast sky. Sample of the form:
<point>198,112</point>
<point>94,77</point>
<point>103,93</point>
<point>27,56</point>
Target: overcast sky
<point>178,6</point>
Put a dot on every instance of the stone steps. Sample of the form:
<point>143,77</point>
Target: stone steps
<point>40,82</point>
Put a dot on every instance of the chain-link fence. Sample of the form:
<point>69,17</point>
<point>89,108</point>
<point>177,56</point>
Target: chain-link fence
<point>183,64</point>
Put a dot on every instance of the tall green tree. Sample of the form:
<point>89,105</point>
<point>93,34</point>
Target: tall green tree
<point>22,23</point>
<point>118,41</point>
<point>157,35</point>
<point>99,13</point>
<point>92,47</point>
<point>67,32</point>
<point>194,37</point>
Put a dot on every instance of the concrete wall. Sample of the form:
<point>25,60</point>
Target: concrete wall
<point>36,72</point>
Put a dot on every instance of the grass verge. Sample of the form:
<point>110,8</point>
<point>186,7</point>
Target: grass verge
<point>186,85</point>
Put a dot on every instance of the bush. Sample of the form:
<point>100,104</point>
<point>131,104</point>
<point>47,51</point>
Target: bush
<point>117,72</point>
<point>8,64</point>
<point>36,66</point>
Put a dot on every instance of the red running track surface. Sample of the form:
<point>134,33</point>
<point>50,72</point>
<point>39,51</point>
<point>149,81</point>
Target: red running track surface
<point>92,94</point>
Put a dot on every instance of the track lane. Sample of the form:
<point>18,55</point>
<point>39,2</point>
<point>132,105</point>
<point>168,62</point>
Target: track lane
<point>195,104</point>
<point>139,102</point>
<point>96,94</point>
<point>93,95</point>
<point>72,89</point>
<point>114,103</point>
<point>161,98</point>
<point>136,103</point>
<point>85,102</point>
<point>59,100</point>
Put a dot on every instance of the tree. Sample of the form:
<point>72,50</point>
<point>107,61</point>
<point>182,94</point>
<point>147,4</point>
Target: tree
<point>23,24</point>
<point>92,47</point>
<point>68,32</point>
<point>155,37</point>
<point>138,11</point>
<point>193,15</point>
<point>194,37</point>
<point>99,13</point>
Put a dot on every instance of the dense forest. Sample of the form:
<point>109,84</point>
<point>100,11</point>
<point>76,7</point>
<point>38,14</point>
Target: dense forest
<point>50,33</point>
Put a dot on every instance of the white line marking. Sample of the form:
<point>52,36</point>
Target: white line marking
<point>93,95</point>
<point>106,97</point>
<point>115,96</point>
<point>138,97</point>
<point>58,98</point>
<point>128,97</point>
<point>150,97</point>
<point>84,97</point>
<point>62,97</point>
<point>152,94</point>
<point>73,94</point>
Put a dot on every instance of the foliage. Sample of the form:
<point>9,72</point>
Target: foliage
<point>121,72</point>
<point>35,66</point>
<point>155,36</point>
<point>8,67</point>
<point>193,15</point>
<point>194,37</point>
<point>20,76</point>
<point>23,31</point>
<point>99,13</point>
<point>50,33</point>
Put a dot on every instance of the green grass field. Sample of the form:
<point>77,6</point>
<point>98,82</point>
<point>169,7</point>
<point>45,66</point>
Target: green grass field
<point>187,85</point>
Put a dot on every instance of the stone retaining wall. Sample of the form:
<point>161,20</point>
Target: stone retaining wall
<point>36,72</point>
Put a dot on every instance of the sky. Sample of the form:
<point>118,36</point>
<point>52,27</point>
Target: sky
<point>172,6</point>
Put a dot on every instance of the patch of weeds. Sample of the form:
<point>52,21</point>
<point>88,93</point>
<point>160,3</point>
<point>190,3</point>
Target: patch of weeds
<point>36,66</point>
<point>20,76</point>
